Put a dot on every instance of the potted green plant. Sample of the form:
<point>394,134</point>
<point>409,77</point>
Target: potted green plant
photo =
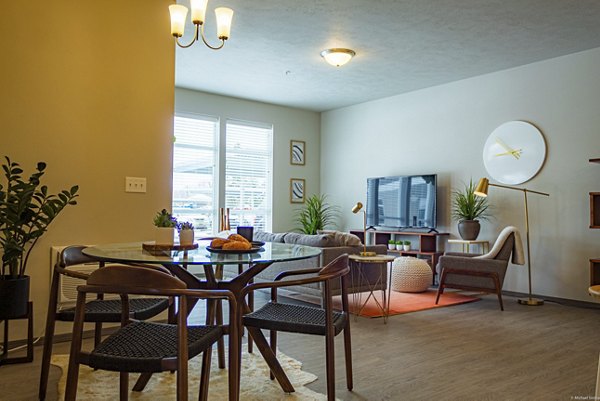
<point>186,233</point>
<point>406,245</point>
<point>468,209</point>
<point>399,245</point>
<point>166,224</point>
<point>26,211</point>
<point>391,244</point>
<point>316,214</point>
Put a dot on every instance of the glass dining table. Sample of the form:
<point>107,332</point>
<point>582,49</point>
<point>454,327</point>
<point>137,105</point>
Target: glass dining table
<point>184,264</point>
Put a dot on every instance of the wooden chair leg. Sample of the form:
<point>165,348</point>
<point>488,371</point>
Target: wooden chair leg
<point>97,334</point>
<point>251,306</point>
<point>123,386</point>
<point>205,374</point>
<point>141,382</point>
<point>440,290</point>
<point>348,356</point>
<point>221,341</point>
<point>273,341</point>
<point>48,337</point>
<point>330,366</point>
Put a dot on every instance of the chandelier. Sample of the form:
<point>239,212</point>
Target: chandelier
<point>179,13</point>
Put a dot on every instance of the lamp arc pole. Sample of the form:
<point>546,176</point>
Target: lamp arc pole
<point>482,190</point>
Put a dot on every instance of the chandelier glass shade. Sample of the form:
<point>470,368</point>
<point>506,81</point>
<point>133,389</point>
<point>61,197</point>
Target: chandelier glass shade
<point>179,12</point>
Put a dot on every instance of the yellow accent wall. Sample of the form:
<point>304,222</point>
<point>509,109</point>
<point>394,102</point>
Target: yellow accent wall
<point>88,87</point>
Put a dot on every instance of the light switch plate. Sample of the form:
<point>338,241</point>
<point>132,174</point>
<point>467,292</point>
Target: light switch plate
<point>135,184</point>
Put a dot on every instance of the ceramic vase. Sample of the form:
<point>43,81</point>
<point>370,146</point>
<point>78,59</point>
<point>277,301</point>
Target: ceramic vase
<point>186,237</point>
<point>164,235</point>
<point>469,229</point>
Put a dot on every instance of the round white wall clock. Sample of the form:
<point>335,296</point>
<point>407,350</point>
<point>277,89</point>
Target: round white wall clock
<point>514,152</point>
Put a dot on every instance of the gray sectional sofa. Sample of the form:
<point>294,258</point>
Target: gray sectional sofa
<point>332,244</point>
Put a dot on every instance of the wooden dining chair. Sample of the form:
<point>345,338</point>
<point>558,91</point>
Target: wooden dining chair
<point>97,311</point>
<point>276,316</point>
<point>145,347</point>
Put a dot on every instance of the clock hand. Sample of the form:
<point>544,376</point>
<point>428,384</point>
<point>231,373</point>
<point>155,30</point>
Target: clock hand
<point>515,153</point>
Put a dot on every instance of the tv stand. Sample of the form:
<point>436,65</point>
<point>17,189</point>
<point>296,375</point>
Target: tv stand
<point>427,244</point>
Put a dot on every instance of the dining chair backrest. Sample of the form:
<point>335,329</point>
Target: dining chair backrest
<point>127,279</point>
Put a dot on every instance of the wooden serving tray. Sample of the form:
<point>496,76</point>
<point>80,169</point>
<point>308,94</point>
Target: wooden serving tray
<point>153,247</point>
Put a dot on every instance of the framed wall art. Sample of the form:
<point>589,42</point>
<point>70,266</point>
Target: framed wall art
<point>297,152</point>
<point>297,190</point>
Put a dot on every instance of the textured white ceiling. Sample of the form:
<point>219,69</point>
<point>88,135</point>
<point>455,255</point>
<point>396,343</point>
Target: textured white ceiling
<point>273,54</point>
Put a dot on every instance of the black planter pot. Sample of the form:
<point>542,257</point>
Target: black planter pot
<point>14,296</point>
<point>469,229</point>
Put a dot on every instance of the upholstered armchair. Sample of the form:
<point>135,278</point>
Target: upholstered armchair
<point>481,272</point>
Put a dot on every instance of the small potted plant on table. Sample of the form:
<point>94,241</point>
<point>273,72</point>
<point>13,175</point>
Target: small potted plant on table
<point>186,233</point>
<point>166,224</point>
<point>391,245</point>
<point>406,246</point>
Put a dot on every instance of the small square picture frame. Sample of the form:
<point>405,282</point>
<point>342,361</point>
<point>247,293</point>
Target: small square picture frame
<point>297,190</point>
<point>297,152</point>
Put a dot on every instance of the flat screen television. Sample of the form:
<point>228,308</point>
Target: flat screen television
<point>402,202</point>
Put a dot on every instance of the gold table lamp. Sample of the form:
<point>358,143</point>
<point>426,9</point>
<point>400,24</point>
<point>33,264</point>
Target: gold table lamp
<point>482,190</point>
<point>357,208</point>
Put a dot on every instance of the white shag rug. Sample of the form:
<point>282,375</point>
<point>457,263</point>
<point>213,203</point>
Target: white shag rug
<point>255,383</point>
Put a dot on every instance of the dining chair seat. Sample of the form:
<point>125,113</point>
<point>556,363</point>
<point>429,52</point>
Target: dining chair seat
<point>144,346</point>
<point>110,310</point>
<point>293,318</point>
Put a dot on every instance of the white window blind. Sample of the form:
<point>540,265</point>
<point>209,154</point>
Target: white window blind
<point>248,174</point>
<point>194,172</point>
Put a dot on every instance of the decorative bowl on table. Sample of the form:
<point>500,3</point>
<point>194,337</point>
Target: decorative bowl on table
<point>256,246</point>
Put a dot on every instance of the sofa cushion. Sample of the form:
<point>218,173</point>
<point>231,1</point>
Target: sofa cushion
<point>268,237</point>
<point>342,239</point>
<point>318,240</point>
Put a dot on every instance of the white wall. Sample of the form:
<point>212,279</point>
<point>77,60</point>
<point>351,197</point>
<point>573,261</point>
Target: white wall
<point>287,123</point>
<point>442,130</point>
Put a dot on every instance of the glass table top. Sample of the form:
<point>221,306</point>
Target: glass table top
<point>133,252</point>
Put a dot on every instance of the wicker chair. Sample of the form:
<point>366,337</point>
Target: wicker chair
<point>96,311</point>
<point>484,273</point>
<point>276,316</point>
<point>144,347</point>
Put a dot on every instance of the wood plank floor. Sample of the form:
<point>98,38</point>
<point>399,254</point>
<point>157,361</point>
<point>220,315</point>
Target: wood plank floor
<point>465,352</point>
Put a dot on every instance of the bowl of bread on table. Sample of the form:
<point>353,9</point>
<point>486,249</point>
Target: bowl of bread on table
<point>235,243</point>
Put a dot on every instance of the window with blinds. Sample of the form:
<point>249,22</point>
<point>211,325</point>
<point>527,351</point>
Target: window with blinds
<point>247,178</point>
<point>194,172</point>
<point>249,160</point>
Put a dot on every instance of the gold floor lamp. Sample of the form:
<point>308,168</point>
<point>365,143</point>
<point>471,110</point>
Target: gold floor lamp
<point>482,190</point>
<point>357,208</point>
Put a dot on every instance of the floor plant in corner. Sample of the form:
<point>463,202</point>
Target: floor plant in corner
<point>26,211</point>
<point>468,209</point>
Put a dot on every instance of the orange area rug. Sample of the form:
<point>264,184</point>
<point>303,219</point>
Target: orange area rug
<point>403,302</point>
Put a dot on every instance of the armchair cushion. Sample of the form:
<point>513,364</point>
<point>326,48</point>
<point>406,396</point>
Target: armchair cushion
<point>463,271</point>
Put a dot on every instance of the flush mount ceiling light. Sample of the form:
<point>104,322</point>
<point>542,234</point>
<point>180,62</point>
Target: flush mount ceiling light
<point>338,56</point>
<point>179,12</point>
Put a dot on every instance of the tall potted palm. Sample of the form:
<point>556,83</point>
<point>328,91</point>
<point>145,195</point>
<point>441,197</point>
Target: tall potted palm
<point>468,209</point>
<point>316,214</point>
<point>26,210</point>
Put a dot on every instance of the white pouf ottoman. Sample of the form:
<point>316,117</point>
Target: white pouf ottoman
<point>410,275</point>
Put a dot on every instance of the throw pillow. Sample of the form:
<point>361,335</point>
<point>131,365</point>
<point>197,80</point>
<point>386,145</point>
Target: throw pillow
<point>342,239</point>
<point>269,237</point>
<point>318,240</point>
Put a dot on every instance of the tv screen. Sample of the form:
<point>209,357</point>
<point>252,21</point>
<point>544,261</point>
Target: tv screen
<point>402,202</point>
